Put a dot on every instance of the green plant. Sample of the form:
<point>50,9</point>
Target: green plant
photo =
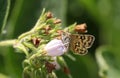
<point>43,47</point>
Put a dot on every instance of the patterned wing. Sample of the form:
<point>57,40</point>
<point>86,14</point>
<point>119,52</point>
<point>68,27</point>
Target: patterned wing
<point>80,43</point>
<point>87,40</point>
<point>66,39</point>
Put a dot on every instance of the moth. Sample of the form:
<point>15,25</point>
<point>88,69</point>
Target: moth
<point>66,39</point>
<point>78,43</point>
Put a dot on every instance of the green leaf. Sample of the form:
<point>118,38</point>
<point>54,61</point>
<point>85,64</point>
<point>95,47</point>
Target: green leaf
<point>108,61</point>
<point>83,67</point>
<point>4,11</point>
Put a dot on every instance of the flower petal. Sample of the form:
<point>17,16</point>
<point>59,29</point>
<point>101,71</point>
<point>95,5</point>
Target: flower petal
<point>55,48</point>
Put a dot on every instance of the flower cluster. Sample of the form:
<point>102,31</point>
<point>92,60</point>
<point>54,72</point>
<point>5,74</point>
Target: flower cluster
<point>43,46</point>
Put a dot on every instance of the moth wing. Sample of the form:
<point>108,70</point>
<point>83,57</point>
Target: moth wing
<point>88,40</point>
<point>79,43</point>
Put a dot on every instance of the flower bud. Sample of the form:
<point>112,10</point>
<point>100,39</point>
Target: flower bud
<point>82,28</point>
<point>49,15</point>
<point>50,67</point>
<point>57,21</point>
<point>36,41</point>
<point>55,48</point>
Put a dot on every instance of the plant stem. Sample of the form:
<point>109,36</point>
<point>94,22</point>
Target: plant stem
<point>7,42</point>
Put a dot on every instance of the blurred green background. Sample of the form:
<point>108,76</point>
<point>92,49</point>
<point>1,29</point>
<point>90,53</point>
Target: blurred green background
<point>101,16</point>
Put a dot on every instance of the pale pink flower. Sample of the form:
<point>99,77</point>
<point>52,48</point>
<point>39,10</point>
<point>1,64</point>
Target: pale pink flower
<point>55,48</point>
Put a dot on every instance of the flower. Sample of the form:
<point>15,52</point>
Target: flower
<point>55,48</point>
<point>55,62</point>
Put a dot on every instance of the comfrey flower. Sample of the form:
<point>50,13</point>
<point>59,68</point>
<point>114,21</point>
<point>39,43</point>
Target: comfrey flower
<point>55,48</point>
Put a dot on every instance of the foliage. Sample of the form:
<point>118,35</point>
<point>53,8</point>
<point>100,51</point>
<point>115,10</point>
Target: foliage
<point>101,16</point>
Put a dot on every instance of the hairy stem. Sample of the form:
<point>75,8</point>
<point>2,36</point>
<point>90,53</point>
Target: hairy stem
<point>7,42</point>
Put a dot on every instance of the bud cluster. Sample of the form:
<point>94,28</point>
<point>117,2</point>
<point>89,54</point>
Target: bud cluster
<point>43,46</point>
